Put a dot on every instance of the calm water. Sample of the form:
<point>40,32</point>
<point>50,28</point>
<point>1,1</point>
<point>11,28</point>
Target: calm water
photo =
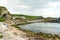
<point>53,28</point>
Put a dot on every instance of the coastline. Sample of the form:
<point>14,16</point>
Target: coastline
<point>29,35</point>
<point>43,36</point>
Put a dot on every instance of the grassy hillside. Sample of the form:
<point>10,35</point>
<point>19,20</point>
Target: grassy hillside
<point>28,17</point>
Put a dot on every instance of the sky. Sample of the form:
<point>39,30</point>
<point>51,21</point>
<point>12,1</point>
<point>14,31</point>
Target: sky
<point>46,8</point>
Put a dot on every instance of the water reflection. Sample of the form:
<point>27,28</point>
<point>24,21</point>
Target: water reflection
<point>53,28</point>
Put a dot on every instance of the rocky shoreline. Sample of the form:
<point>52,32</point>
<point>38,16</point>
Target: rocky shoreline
<point>15,33</point>
<point>39,36</point>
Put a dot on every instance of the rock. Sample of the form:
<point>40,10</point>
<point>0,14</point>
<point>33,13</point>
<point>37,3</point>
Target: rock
<point>4,12</point>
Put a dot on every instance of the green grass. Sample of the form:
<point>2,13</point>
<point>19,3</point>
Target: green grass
<point>31,17</point>
<point>2,19</point>
<point>28,17</point>
<point>1,35</point>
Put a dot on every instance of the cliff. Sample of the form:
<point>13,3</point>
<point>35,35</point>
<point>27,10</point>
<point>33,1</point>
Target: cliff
<point>4,13</point>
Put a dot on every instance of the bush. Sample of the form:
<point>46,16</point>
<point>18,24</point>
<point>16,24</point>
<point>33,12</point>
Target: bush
<point>2,19</point>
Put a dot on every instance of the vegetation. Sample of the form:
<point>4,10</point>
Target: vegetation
<point>35,34</point>
<point>2,19</point>
<point>28,17</point>
<point>38,35</point>
<point>41,35</point>
<point>24,23</point>
<point>1,35</point>
<point>47,19</point>
<point>16,26</point>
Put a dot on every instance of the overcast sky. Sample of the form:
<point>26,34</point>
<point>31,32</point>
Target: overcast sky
<point>46,8</point>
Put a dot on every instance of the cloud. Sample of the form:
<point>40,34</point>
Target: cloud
<point>24,6</point>
<point>47,12</point>
<point>36,4</point>
<point>54,4</point>
<point>3,3</point>
<point>33,7</point>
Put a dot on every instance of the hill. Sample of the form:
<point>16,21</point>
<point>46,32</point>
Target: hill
<point>4,14</point>
<point>28,17</point>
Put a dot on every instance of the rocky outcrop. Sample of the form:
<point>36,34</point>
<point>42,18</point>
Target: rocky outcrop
<point>4,12</point>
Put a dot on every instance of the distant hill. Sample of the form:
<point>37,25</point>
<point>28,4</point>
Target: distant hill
<point>28,17</point>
